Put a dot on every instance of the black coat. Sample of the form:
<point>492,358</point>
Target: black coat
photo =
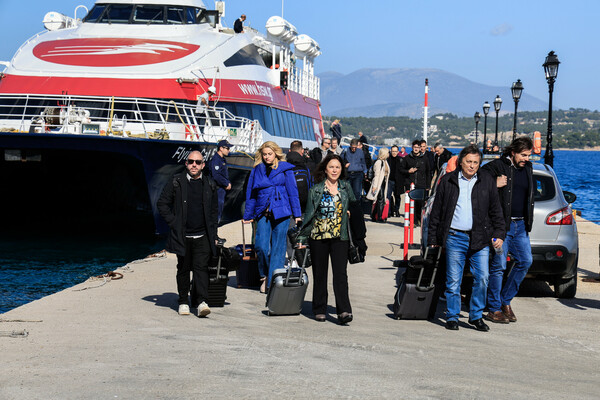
<point>488,222</point>
<point>396,170</point>
<point>172,206</point>
<point>316,155</point>
<point>439,160</point>
<point>503,166</point>
<point>238,26</point>
<point>421,177</point>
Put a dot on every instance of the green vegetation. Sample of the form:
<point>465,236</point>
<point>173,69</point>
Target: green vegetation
<point>573,128</point>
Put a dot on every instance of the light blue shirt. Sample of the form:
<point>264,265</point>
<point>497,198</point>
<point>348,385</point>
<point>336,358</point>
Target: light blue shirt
<point>463,213</point>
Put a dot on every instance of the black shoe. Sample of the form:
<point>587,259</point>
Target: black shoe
<point>480,325</point>
<point>344,318</point>
<point>452,325</point>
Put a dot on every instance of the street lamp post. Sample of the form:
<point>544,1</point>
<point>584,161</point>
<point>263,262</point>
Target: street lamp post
<point>516,89</point>
<point>551,70</point>
<point>477,117</point>
<point>486,109</point>
<point>497,104</point>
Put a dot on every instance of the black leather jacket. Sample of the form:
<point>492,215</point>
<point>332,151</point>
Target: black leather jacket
<point>487,212</point>
<point>503,166</point>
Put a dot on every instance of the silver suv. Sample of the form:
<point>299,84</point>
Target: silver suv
<point>554,240</point>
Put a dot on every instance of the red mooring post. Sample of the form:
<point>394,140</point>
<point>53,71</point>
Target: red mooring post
<point>406,222</point>
<point>412,215</point>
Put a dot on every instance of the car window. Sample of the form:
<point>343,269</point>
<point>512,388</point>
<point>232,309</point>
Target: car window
<point>545,188</point>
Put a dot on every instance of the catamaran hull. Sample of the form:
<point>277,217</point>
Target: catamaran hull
<point>98,182</point>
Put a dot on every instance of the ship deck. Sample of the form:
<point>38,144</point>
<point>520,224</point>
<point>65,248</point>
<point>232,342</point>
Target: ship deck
<point>126,340</point>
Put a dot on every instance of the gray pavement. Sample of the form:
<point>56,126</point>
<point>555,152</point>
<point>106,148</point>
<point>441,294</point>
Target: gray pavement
<point>125,340</point>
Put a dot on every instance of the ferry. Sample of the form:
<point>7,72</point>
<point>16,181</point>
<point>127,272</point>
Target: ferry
<point>100,109</point>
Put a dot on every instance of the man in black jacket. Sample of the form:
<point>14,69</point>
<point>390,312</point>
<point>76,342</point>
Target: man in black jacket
<point>319,153</point>
<point>238,26</point>
<point>465,216</point>
<point>189,205</point>
<point>397,179</point>
<point>441,156</point>
<point>416,167</point>
<point>514,178</point>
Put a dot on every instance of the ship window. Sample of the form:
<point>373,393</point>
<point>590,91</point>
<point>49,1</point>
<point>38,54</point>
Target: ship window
<point>149,14</point>
<point>210,17</point>
<point>245,56</point>
<point>95,13</point>
<point>192,14</point>
<point>267,122</point>
<point>117,14</point>
<point>176,15</point>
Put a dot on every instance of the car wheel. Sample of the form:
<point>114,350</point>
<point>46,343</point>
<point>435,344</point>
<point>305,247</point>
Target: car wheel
<point>566,288</point>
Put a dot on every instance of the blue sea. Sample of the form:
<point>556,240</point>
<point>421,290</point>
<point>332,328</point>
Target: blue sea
<point>34,265</point>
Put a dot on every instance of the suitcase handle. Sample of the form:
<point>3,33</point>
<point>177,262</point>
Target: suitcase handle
<point>425,258</point>
<point>302,268</point>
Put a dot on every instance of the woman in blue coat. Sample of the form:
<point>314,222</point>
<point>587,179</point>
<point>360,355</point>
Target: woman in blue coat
<point>271,198</point>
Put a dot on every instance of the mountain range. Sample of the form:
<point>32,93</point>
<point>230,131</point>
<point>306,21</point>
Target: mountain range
<point>397,92</point>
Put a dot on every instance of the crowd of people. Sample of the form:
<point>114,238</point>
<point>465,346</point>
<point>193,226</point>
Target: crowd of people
<point>322,190</point>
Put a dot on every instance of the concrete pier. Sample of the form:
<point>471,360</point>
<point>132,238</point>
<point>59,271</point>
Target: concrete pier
<point>125,340</point>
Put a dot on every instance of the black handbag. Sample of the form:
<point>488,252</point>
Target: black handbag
<point>354,255</point>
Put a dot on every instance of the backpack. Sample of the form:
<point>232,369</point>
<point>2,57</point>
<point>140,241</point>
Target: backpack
<point>304,182</point>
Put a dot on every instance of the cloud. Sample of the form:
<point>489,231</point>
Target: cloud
<point>502,29</point>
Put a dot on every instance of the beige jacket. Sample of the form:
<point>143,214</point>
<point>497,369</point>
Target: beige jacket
<point>381,170</point>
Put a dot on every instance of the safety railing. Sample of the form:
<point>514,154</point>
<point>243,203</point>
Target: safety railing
<point>127,117</point>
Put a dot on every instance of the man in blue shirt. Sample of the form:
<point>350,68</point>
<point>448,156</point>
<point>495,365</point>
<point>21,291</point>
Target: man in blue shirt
<point>356,167</point>
<point>465,216</point>
<point>218,171</point>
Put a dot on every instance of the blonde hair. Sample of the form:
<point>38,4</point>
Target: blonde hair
<point>383,154</point>
<point>279,156</point>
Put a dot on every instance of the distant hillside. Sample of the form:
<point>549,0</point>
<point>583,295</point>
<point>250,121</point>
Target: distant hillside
<point>400,92</point>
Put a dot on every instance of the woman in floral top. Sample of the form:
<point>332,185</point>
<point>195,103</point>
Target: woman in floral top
<point>325,227</point>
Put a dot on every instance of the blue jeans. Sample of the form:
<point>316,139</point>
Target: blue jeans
<point>356,179</point>
<point>457,253</point>
<point>517,243</point>
<point>270,244</point>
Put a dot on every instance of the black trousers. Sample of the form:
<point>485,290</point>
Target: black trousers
<point>320,251</point>
<point>197,256</point>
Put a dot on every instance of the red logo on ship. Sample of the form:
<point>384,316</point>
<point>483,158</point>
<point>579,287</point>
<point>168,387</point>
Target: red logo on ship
<point>111,52</point>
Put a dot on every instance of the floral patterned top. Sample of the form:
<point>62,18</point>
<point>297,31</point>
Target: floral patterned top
<point>328,218</point>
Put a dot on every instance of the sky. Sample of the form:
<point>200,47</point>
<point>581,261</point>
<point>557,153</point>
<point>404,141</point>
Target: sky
<point>492,42</point>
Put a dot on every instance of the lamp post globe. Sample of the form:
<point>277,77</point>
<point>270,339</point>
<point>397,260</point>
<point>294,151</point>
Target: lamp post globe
<point>486,110</point>
<point>477,117</point>
<point>551,70</point>
<point>517,90</point>
<point>497,104</point>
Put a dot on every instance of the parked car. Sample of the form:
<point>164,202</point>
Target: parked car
<point>554,240</point>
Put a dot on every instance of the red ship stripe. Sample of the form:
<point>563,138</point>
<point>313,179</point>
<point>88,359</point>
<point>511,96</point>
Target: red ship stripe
<point>228,90</point>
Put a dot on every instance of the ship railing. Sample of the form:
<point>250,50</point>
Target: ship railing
<point>304,83</point>
<point>127,117</point>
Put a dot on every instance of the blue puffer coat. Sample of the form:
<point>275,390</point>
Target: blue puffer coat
<point>277,191</point>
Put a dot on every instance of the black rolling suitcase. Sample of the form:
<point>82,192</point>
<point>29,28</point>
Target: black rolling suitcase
<point>416,294</point>
<point>219,267</point>
<point>288,287</point>
<point>247,274</point>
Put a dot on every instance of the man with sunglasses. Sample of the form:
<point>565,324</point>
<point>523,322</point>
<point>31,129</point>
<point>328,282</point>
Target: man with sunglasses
<point>189,205</point>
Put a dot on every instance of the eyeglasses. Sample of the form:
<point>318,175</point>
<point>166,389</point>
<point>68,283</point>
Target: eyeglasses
<point>326,142</point>
<point>198,162</point>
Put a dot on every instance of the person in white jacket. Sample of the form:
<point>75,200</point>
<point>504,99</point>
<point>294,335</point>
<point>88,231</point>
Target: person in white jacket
<point>381,171</point>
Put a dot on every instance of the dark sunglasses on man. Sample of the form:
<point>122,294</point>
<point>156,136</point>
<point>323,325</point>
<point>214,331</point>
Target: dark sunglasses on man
<point>198,162</point>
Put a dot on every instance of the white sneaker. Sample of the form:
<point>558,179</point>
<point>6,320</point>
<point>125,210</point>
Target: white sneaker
<point>184,309</point>
<point>203,309</point>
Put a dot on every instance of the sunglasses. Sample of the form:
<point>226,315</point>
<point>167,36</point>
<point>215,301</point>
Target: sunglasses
<point>199,162</point>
